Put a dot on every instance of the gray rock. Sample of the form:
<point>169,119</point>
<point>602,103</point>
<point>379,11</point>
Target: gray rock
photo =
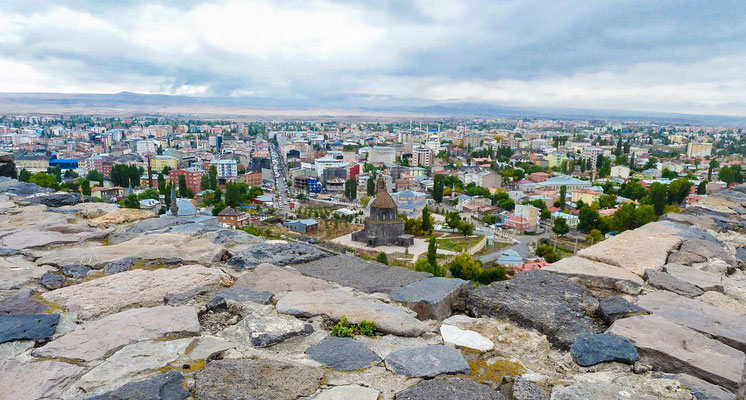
<point>263,331</point>
<point>539,300</point>
<point>666,281</point>
<point>433,298</point>
<point>40,379</point>
<point>591,349</point>
<point>52,281</point>
<point>219,300</point>
<point>8,169</point>
<point>598,391</point>
<point>183,297</point>
<point>449,389</point>
<point>38,327</point>
<point>4,252</point>
<point>57,199</point>
<point>275,253</point>
<point>741,254</point>
<point>22,302</point>
<point>165,261</point>
<point>364,275</point>
<point>702,390</point>
<point>20,189</point>
<point>701,279</point>
<point>6,157</point>
<point>267,277</point>
<point>118,266</point>
<point>670,347</point>
<point>719,323</point>
<point>526,390</point>
<point>168,386</point>
<point>707,249</point>
<point>685,258</point>
<point>241,379</point>
<point>233,236</point>
<point>613,308</point>
<point>342,354</point>
<point>76,271</point>
<point>348,392</point>
<point>427,362</point>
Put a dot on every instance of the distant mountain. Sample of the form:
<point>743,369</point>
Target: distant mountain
<point>128,103</point>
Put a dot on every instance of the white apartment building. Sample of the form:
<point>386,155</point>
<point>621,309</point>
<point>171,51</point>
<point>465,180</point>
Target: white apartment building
<point>421,156</point>
<point>226,168</point>
<point>147,146</point>
<point>694,149</point>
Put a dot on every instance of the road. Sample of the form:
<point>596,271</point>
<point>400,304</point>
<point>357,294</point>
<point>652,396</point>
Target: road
<point>280,176</point>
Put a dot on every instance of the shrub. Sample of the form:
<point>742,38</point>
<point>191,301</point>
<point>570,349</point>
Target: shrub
<point>345,329</point>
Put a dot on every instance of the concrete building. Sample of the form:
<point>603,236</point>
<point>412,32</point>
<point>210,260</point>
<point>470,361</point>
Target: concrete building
<point>421,156</point>
<point>157,163</point>
<point>556,182</point>
<point>193,177</point>
<point>695,149</point>
<point>620,171</point>
<point>226,168</point>
<point>530,213</point>
<point>381,155</point>
<point>592,153</point>
<point>146,146</point>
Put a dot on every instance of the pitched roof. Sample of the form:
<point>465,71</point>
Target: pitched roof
<point>383,199</point>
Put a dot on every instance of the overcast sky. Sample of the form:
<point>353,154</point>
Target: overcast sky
<point>650,55</point>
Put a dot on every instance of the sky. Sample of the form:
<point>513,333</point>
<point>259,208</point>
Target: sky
<point>652,56</point>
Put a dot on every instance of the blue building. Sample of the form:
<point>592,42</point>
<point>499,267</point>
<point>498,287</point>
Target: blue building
<point>314,185</point>
<point>64,163</point>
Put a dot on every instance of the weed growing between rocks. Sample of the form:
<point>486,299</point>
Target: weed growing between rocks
<point>345,329</point>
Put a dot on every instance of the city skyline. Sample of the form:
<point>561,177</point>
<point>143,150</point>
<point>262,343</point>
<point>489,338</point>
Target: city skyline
<point>631,56</point>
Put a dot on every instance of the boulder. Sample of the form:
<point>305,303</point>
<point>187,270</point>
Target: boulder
<point>241,379</point>
<point>132,363</point>
<point>94,340</point>
<point>427,362</point>
<point>364,275</point>
<point>220,300</point>
<point>115,267</point>
<point>613,308</point>
<point>631,250</point>
<point>36,380</point>
<point>52,281</point>
<point>262,331</point>
<point>88,210</point>
<point>167,386</point>
<point>22,302</point>
<point>591,349</point>
<point>707,249</point>
<point>15,271</point>
<point>121,216</point>
<point>685,258</point>
<point>539,300</point>
<point>57,199</point>
<point>702,390</point>
<point>665,281</point>
<point>673,348</point>
<point>6,157</point>
<point>599,391</point>
<point>701,279</point>
<point>276,254</point>
<point>449,389</point>
<point>465,338</point>
<point>342,354</point>
<point>75,271</point>
<point>336,303</point>
<point>266,277</point>
<point>15,188</point>
<point>38,327</point>
<point>719,323</point>
<point>523,389</point>
<point>136,287</point>
<point>433,298</point>
<point>592,273</point>
<point>30,238</point>
<point>348,392</point>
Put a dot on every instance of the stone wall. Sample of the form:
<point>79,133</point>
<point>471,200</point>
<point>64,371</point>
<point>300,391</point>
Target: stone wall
<point>7,166</point>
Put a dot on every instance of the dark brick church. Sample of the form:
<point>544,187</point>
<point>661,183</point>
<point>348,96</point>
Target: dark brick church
<point>383,227</point>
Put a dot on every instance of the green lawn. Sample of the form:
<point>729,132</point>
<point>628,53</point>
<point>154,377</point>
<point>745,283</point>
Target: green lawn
<point>457,243</point>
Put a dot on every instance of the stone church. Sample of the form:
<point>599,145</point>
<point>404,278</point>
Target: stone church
<point>383,227</point>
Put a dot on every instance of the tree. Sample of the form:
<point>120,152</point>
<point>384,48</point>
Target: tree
<point>24,175</point>
<point>204,182</point>
<point>547,252</point>
<point>85,187</point>
<point>713,164</point>
<point>161,183</point>
<point>183,189</point>
<point>466,229</point>
<point>381,258</point>
<point>545,214</point>
<point>594,236</point>
<point>167,195</point>
<point>432,252</point>
<point>370,188</point>
<point>351,188</point>
<point>218,207</point>
<point>56,172</point>
<point>424,266</point>
<point>588,219</point>
<point>426,220</point>
<point>453,219</point>
<point>218,196</point>
<point>633,190</point>
<point>213,177</point>
<point>95,176</point>
<point>658,196</point>
<point>148,194</point>
<point>702,187</point>
<point>560,226</point>
<point>618,147</point>
<point>678,190</point>
<point>134,174</point>
<point>607,201</point>
<point>71,174</point>
<point>131,201</point>
<point>232,194</point>
<point>44,179</point>
<point>562,197</point>
<point>668,174</point>
<point>119,175</point>
<point>644,214</point>
<point>438,188</point>
<point>464,266</point>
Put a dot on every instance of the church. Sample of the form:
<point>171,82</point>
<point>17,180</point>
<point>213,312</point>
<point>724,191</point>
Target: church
<point>383,227</point>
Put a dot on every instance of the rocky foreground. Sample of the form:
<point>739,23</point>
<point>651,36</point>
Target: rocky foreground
<point>98,302</point>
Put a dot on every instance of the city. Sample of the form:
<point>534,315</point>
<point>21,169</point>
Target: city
<point>389,200</point>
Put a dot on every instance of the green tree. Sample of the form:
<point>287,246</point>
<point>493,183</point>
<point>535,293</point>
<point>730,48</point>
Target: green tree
<point>351,188</point>
<point>453,219</point>
<point>381,258</point>
<point>423,266</point>
<point>562,197</point>
<point>668,174</point>
<point>131,201</point>
<point>678,190</point>
<point>232,194</point>
<point>204,182</point>
<point>95,176</point>
<point>370,186</point>
<point>464,266</point>
<point>633,190</point>
<point>438,188</point>
<point>432,252</point>
<point>213,177</point>
<point>702,187</point>
<point>545,214</point>
<point>587,219</point>
<point>148,194</point>
<point>607,201</point>
<point>161,183</point>
<point>426,220</point>
<point>560,226</point>
<point>218,196</point>
<point>658,194</point>
<point>85,187</point>
<point>547,252</point>
<point>644,214</point>
<point>466,228</point>
<point>44,179</point>
<point>713,164</point>
<point>218,207</point>
<point>594,236</point>
<point>183,189</point>
<point>134,176</point>
<point>24,175</point>
<point>56,172</point>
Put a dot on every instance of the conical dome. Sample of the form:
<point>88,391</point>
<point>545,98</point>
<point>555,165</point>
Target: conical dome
<point>383,198</point>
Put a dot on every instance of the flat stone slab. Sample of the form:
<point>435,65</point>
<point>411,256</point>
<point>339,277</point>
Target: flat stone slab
<point>263,331</point>
<point>701,279</point>
<point>336,303</point>
<point>674,348</point>
<point>449,389</point>
<point>613,308</point>
<point>465,338</point>
<point>599,391</point>
<point>364,275</point>
<point>348,392</point>
<point>37,327</point>
<point>132,362</point>
<point>591,349</point>
<point>136,287</point>
<point>719,323</point>
<point>22,302</point>
<point>221,299</point>
<point>94,340</point>
<point>427,362</point>
<point>267,277</point>
<point>702,389</point>
<point>15,271</point>
<point>592,273</point>
<point>168,386</point>
<point>29,238</point>
<point>433,298</point>
<point>665,281</point>
<point>632,250</point>
<point>342,354</point>
<point>539,300</point>
<point>256,379</point>
<point>276,254</point>
<point>36,380</point>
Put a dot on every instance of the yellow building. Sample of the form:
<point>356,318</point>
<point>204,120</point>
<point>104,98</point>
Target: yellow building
<point>32,163</point>
<point>157,163</point>
<point>555,160</point>
<point>588,196</point>
<point>698,149</point>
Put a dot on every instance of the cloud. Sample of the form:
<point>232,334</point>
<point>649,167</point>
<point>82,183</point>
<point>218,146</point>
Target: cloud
<point>630,55</point>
